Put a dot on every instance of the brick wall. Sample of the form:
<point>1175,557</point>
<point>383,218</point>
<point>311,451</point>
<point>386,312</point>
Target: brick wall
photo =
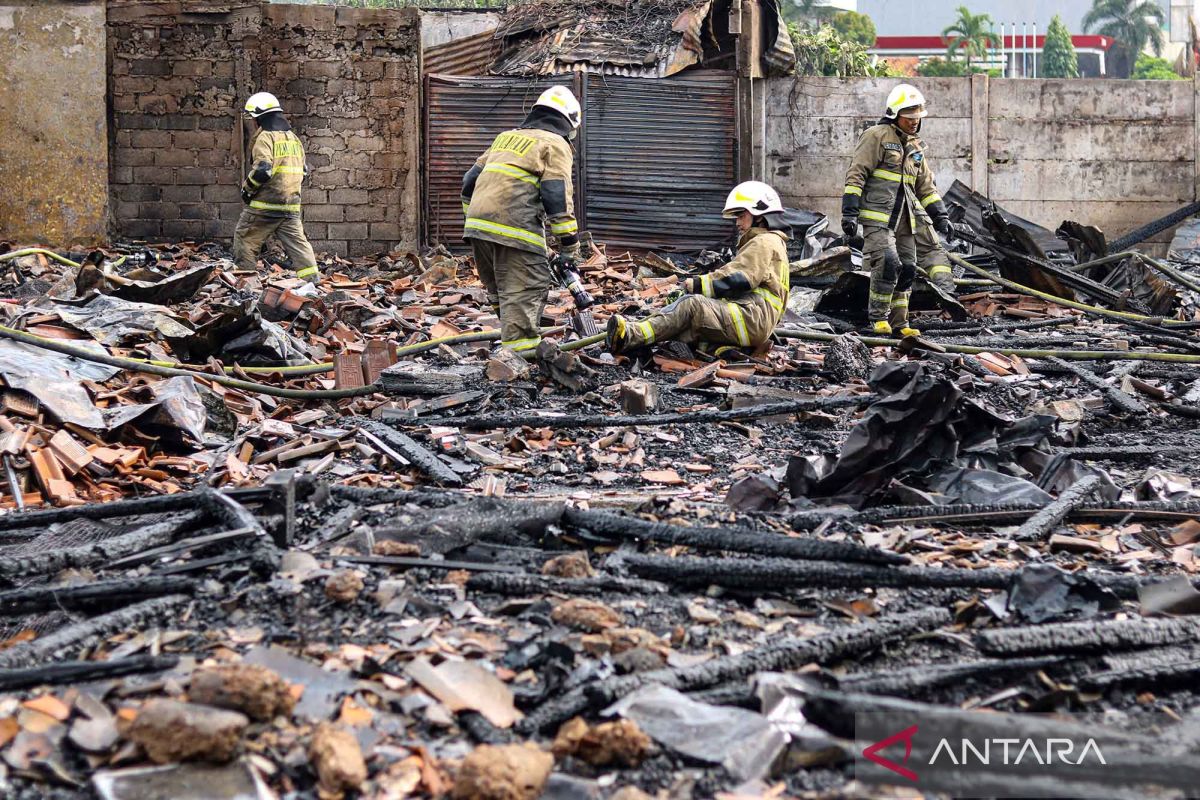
<point>348,80</point>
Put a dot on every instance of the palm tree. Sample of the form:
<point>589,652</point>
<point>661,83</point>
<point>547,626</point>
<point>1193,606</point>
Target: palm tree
<point>972,33</point>
<point>1133,24</point>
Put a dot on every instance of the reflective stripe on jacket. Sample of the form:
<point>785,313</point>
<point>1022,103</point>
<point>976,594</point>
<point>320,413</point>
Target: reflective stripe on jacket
<point>755,284</point>
<point>891,174</point>
<point>276,173</point>
<point>521,184</point>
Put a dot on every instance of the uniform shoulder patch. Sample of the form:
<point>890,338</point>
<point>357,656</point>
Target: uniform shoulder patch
<point>893,146</point>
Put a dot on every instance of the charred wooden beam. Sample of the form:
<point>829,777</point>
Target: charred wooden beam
<point>69,640</point>
<point>393,443</point>
<point>780,655</point>
<point>773,574</point>
<point>90,596</point>
<point>1041,524</point>
<point>82,671</point>
<point>97,553</point>
<point>907,682</point>
<point>736,540</point>
<point>184,501</point>
<point>1088,637</point>
<point>1118,399</point>
<point>410,562</point>
<point>508,584</point>
<point>514,420</point>
<point>1167,665</point>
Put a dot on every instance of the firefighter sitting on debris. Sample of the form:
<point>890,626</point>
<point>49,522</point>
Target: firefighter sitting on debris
<point>519,183</point>
<point>272,192</point>
<point>737,305</point>
<point>890,191</point>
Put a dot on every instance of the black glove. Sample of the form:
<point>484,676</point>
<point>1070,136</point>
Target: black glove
<point>571,254</point>
<point>246,196</point>
<point>943,225</point>
<point>849,226</point>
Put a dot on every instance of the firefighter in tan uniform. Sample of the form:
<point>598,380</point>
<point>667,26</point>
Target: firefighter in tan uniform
<point>519,184</point>
<point>890,191</point>
<point>271,192</point>
<point>739,304</point>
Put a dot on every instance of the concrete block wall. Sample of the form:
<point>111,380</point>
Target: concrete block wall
<point>348,80</point>
<point>53,153</point>
<point>1048,150</point>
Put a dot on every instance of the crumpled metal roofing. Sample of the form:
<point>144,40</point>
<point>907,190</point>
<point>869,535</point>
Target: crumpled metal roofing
<point>550,38</point>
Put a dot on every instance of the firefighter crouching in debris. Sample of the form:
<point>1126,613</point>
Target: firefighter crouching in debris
<point>739,304</point>
<point>271,192</point>
<point>518,185</point>
<point>890,191</point>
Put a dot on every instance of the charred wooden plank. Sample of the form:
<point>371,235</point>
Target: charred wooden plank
<point>71,639</point>
<point>420,458</point>
<point>907,682</point>
<point>774,574</point>
<point>780,655</point>
<point>507,584</point>
<point>90,596</point>
<point>513,420</point>
<point>1090,636</point>
<point>1047,519</point>
<point>101,552</point>
<point>737,540</point>
<point>72,672</point>
<point>1117,398</point>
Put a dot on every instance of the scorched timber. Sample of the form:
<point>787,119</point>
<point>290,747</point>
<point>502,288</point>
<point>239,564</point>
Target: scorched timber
<point>786,654</point>
<point>521,585</point>
<point>101,552</point>
<point>907,682</point>
<point>90,596</point>
<point>393,442</point>
<point>1088,637</point>
<point>774,574</point>
<point>1040,525</point>
<point>1118,399</point>
<point>736,540</point>
<point>508,420</point>
<point>73,638</point>
<point>82,671</point>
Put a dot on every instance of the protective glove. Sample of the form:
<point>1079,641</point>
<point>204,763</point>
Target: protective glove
<point>571,253</point>
<point>246,195</point>
<point>849,226</point>
<point>944,226</point>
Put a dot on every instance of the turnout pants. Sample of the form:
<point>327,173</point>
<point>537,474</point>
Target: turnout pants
<point>695,319</point>
<point>892,258</point>
<point>517,282</point>
<point>254,229</point>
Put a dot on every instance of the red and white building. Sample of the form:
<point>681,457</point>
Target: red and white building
<point>1017,56</point>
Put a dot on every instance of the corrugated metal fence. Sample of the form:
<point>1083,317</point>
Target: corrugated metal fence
<point>654,161</point>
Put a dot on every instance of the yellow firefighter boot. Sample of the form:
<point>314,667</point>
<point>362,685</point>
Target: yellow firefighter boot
<point>882,328</point>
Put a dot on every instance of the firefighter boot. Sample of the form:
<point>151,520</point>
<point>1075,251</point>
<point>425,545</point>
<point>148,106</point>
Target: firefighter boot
<point>898,317</point>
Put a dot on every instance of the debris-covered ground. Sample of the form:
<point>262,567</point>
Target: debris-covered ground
<point>327,543</point>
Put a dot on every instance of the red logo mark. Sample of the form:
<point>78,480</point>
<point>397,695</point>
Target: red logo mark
<point>907,736</point>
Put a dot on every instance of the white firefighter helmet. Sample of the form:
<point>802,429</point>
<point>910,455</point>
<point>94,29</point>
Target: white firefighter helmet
<point>905,100</point>
<point>753,196</point>
<point>562,100</point>
<point>261,103</point>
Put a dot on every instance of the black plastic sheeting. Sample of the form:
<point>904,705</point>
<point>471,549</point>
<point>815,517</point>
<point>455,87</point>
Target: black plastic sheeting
<point>973,204</point>
<point>924,438</point>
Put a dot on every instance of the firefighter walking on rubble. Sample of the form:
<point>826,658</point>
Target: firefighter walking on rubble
<point>520,183</point>
<point>271,192</point>
<point>890,191</point>
<point>739,304</point>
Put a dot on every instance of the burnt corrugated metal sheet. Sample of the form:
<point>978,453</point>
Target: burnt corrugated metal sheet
<point>470,56</point>
<point>463,116</point>
<point>659,159</point>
